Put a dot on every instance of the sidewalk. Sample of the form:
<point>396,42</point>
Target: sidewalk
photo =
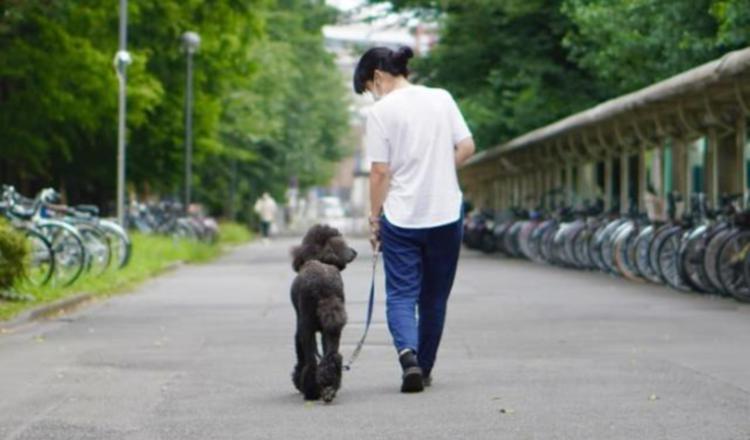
<point>530,352</point>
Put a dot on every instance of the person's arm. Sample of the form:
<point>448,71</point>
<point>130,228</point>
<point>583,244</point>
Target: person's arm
<point>380,175</point>
<point>464,150</point>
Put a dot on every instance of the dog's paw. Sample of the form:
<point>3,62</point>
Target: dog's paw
<point>327,394</point>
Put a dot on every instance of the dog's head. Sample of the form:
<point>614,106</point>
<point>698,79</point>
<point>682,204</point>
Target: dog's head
<point>325,244</point>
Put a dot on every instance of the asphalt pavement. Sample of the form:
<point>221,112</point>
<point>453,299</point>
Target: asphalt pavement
<point>530,352</point>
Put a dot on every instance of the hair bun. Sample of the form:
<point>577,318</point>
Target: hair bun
<point>403,54</point>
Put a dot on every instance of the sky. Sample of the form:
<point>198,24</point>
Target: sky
<point>345,4</point>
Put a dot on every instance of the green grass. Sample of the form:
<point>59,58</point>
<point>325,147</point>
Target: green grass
<point>151,255</point>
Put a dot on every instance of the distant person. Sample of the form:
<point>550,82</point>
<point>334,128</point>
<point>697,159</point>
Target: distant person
<point>415,139</point>
<point>654,205</point>
<point>266,208</point>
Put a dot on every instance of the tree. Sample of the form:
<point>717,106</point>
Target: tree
<point>505,63</point>
<point>269,104</point>
<point>516,65</point>
<point>631,44</point>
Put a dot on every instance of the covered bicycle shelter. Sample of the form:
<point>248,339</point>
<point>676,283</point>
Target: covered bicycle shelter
<point>686,134</point>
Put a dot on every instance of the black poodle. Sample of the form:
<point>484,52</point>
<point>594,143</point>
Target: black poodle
<point>318,298</point>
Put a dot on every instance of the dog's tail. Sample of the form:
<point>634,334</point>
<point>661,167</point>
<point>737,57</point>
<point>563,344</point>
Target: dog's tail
<point>331,313</point>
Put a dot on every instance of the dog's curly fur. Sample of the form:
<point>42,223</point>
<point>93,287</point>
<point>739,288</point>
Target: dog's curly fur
<point>318,299</point>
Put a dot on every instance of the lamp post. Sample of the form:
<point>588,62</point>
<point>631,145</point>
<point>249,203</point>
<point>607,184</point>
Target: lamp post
<point>190,42</point>
<point>121,62</point>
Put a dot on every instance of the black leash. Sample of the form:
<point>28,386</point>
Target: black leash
<point>370,304</point>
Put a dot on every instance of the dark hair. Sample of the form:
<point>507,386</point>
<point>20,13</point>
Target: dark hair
<point>381,58</point>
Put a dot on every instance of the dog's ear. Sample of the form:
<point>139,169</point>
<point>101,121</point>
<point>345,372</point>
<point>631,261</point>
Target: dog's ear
<point>298,257</point>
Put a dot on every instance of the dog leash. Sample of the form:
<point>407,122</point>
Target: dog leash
<point>370,305</point>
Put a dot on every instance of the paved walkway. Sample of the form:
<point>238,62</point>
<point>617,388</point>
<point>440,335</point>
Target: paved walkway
<point>531,352</point>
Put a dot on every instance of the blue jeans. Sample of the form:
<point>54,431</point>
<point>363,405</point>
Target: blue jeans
<point>420,266</point>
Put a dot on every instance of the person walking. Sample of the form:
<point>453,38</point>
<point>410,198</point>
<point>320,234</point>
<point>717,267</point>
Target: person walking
<point>266,208</point>
<point>415,139</point>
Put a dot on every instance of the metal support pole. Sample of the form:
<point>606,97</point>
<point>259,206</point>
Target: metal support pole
<point>608,182</point>
<point>710,168</point>
<point>740,158</point>
<point>624,183</point>
<point>641,188</point>
<point>121,67</point>
<point>191,41</point>
<point>189,129</point>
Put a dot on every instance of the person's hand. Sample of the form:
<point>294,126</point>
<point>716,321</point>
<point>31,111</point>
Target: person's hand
<point>374,233</point>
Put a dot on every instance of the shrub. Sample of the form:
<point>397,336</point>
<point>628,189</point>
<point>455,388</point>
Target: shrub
<point>13,255</point>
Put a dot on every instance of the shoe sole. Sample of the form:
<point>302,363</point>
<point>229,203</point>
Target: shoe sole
<point>412,381</point>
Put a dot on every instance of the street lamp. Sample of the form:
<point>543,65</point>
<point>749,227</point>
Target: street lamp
<point>121,62</point>
<point>190,43</point>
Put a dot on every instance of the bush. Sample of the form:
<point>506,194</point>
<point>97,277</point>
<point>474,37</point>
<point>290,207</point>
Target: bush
<point>13,254</point>
<point>234,233</point>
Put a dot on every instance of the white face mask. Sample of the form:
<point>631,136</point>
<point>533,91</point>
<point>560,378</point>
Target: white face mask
<point>375,96</point>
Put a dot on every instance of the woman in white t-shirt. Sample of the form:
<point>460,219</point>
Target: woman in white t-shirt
<point>415,139</point>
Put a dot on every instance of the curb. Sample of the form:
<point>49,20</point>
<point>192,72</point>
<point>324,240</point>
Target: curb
<point>71,302</point>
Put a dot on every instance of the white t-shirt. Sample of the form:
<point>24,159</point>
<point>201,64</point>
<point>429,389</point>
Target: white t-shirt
<point>415,130</point>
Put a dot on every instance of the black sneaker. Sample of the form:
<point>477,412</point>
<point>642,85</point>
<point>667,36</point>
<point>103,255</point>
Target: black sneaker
<point>412,380</point>
<point>427,381</point>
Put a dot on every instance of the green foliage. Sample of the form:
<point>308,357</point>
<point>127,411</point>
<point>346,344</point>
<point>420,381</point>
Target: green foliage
<point>269,104</point>
<point>505,64</point>
<point>631,44</point>
<point>13,254</point>
<point>151,255</point>
<point>733,17</point>
<point>515,65</point>
<point>234,233</point>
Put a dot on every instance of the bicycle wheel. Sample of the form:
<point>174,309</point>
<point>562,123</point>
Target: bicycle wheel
<point>511,239</point>
<point>98,252</point>
<point>535,242</point>
<point>608,246</point>
<point>558,245</point>
<point>669,261</point>
<point>624,261</point>
<point>581,248</point>
<point>41,260</point>
<point>691,258</point>
<point>119,242</point>
<point>731,265</point>
<point>547,243</point>
<point>499,235</point>
<point>68,248</point>
<point>182,230</point>
<point>568,248</point>
<point>642,247</point>
<point>653,249</point>
<point>524,238</point>
<point>487,243</point>
<point>711,257</point>
<point>595,247</point>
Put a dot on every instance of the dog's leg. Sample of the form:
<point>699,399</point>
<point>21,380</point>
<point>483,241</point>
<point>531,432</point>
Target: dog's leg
<point>309,370</point>
<point>329,370</point>
<point>297,373</point>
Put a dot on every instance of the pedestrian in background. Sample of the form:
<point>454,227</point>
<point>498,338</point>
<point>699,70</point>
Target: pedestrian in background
<point>415,139</point>
<point>266,208</point>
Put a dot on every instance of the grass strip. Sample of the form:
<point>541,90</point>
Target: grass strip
<point>151,255</point>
